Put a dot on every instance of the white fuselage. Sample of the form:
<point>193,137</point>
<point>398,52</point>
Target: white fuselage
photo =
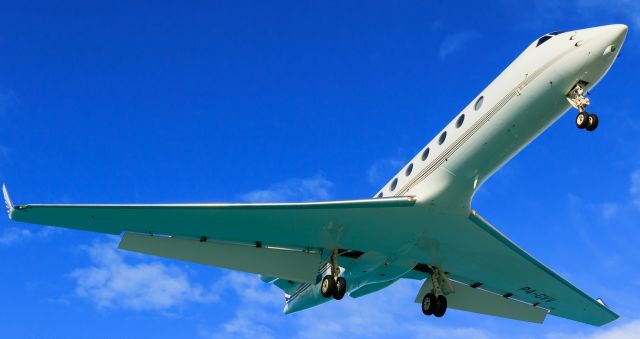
<point>516,107</point>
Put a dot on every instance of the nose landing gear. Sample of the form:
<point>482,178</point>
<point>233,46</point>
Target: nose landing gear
<point>576,98</point>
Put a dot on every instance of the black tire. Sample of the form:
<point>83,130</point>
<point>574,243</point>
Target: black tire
<point>582,120</point>
<point>428,304</point>
<point>328,286</point>
<point>341,288</point>
<point>441,306</point>
<point>592,122</point>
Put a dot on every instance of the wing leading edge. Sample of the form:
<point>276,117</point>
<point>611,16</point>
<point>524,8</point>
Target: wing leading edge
<point>351,223</point>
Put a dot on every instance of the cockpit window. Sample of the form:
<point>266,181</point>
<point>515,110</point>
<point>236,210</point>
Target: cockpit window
<point>543,40</point>
<point>547,37</point>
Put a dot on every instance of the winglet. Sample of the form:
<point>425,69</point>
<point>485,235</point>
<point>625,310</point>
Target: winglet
<point>601,302</point>
<point>7,200</point>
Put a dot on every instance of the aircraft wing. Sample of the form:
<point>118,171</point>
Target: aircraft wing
<point>282,240</point>
<point>255,237</point>
<point>476,253</point>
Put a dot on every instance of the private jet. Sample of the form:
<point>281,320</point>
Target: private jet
<point>419,226</point>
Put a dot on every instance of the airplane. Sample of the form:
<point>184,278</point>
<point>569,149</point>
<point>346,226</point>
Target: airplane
<point>419,226</point>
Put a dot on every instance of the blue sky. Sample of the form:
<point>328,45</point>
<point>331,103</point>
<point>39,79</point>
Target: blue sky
<point>250,101</point>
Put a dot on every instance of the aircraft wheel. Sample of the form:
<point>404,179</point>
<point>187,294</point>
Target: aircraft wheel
<point>592,122</point>
<point>441,306</point>
<point>428,304</point>
<point>582,120</point>
<point>341,288</point>
<point>328,286</point>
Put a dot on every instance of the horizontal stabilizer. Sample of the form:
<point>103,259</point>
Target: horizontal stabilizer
<point>282,263</point>
<point>287,286</point>
<point>477,300</point>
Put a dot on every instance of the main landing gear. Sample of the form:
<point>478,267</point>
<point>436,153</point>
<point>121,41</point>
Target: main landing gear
<point>332,284</point>
<point>576,98</point>
<point>435,302</point>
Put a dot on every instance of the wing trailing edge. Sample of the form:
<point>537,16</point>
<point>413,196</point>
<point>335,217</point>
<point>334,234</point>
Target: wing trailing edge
<point>290,264</point>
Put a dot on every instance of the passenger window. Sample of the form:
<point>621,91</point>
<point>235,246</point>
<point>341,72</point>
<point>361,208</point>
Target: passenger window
<point>379,195</point>
<point>442,138</point>
<point>478,103</point>
<point>409,169</point>
<point>393,185</point>
<point>460,121</point>
<point>425,154</point>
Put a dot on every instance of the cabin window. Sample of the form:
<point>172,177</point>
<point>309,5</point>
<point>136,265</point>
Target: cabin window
<point>379,195</point>
<point>478,103</point>
<point>442,138</point>
<point>407,172</point>
<point>425,154</point>
<point>393,185</point>
<point>460,121</point>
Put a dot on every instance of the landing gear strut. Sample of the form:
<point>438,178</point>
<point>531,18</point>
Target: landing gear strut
<point>576,98</point>
<point>332,284</point>
<point>435,302</point>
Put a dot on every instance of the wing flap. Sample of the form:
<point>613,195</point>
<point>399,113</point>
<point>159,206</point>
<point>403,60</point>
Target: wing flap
<point>289,264</point>
<point>466,298</point>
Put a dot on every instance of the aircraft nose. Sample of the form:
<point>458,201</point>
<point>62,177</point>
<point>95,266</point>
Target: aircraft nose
<point>614,33</point>
<point>618,32</point>
<point>612,37</point>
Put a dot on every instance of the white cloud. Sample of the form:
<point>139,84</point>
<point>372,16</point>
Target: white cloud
<point>259,313</point>
<point>609,209</point>
<point>15,235</point>
<point>454,42</point>
<point>258,307</point>
<point>613,209</point>
<point>628,330</point>
<point>378,316</point>
<point>382,170</point>
<point>112,282</point>
<point>306,189</point>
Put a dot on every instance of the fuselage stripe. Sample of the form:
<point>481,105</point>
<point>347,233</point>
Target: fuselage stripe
<point>471,131</point>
